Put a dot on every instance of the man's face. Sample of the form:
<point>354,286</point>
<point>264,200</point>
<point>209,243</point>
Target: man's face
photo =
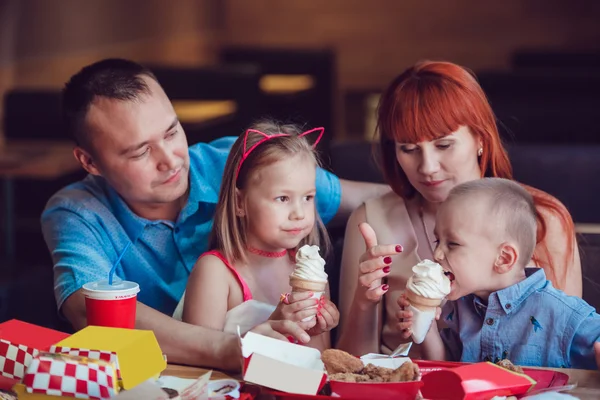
<point>139,147</point>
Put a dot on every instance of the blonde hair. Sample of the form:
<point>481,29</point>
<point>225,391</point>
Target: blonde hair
<point>229,231</point>
<point>512,206</point>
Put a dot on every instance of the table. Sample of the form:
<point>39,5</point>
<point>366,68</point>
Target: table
<point>588,382</point>
<point>30,159</point>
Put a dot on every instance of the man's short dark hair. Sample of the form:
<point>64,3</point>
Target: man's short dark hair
<point>112,78</point>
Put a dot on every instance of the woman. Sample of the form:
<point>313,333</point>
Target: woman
<point>437,130</point>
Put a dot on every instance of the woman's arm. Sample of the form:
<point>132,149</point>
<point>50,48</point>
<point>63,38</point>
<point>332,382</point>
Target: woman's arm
<point>207,293</point>
<point>360,320</point>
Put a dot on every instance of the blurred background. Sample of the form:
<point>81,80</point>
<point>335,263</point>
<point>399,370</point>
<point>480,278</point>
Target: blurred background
<point>226,63</point>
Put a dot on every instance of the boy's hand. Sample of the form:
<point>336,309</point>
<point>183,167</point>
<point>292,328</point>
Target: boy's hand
<point>296,307</point>
<point>597,351</point>
<point>328,317</point>
<point>405,316</point>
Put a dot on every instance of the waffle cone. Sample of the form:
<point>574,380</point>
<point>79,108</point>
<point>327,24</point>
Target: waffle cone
<point>303,285</point>
<point>422,303</point>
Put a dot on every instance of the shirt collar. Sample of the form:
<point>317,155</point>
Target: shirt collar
<point>200,192</point>
<point>511,297</point>
<point>133,224</point>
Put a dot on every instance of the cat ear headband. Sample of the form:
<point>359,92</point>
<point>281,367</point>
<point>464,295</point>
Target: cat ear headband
<point>266,137</point>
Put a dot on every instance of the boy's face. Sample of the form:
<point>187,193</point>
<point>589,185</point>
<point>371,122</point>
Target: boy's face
<point>467,247</point>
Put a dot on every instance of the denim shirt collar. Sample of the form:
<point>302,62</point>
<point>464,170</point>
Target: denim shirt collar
<point>510,298</point>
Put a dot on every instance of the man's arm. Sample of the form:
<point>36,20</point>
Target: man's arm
<point>189,344</point>
<point>354,194</point>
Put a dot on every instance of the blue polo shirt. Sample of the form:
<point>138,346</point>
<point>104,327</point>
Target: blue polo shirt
<point>87,226</point>
<point>531,323</point>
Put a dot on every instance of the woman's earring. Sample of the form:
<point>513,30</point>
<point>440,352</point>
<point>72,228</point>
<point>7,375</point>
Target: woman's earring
<point>480,151</point>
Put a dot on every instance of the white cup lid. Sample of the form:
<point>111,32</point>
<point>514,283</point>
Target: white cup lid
<point>119,287</point>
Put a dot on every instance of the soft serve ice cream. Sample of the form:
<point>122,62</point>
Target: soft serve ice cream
<point>309,274</point>
<point>309,265</point>
<point>425,290</point>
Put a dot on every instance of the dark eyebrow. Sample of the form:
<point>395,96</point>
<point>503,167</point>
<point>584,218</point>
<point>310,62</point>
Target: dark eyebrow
<point>135,147</point>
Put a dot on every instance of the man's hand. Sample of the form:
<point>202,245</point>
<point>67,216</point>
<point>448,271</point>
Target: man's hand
<point>283,329</point>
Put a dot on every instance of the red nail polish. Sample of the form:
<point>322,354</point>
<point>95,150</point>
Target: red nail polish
<point>387,270</point>
<point>387,260</point>
<point>385,288</point>
<point>399,249</point>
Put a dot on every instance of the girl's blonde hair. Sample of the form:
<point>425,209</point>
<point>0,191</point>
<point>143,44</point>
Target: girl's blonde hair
<point>229,231</point>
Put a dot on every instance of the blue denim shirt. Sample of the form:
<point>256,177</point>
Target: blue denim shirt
<point>530,323</point>
<point>87,226</point>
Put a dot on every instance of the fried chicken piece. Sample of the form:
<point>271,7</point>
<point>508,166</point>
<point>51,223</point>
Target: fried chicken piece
<point>506,363</point>
<point>407,372</point>
<point>377,374</point>
<point>338,361</point>
<point>349,377</point>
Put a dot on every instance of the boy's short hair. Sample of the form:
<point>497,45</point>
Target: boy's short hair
<point>511,204</point>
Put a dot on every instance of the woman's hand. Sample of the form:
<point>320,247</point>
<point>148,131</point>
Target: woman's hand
<point>328,317</point>
<point>296,307</point>
<point>374,265</point>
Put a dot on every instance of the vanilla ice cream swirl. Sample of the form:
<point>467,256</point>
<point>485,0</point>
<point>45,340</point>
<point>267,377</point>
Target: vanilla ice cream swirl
<point>428,280</point>
<point>309,264</point>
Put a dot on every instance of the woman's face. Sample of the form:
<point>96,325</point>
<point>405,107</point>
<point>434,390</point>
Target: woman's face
<point>434,168</point>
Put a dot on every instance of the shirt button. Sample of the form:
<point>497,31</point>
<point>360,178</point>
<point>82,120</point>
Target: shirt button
<point>508,306</point>
<point>489,321</point>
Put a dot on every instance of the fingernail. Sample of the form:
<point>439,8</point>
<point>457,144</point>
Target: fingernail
<point>387,260</point>
<point>311,294</point>
<point>387,270</point>
<point>385,287</point>
<point>291,339</point>
<point>399,249</point>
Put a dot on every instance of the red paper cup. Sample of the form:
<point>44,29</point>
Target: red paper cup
<point>111,305</point>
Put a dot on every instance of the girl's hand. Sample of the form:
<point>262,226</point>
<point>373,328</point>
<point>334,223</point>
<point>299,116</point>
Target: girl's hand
<point>405,316</point>
<point>296,307</point>
<point>328,317</point>
<point>374,265</point>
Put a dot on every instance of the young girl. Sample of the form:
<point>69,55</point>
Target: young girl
<point>266,211</point>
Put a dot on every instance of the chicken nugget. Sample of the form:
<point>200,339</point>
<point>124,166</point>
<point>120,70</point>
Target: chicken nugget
<point>375,372</point>
<point>506,363</point>
<point>407,372</point>
<point>338,361</point>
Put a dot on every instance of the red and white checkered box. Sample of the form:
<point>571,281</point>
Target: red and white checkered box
<point>64,375</point>
<point>108,356</point>
<point>14,359</point>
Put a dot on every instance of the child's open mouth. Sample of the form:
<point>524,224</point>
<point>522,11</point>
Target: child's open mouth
<point>450,276</point>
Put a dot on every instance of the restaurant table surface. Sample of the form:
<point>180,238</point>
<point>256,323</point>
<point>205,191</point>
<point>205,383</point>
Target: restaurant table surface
<point>588,382</point>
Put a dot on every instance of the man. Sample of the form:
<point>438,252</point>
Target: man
<point>149,201</point>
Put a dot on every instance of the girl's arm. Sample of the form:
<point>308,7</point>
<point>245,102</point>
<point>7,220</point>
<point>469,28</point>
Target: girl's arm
<point>433,347</point>
<point>360,322</point>
<point>207,293</point>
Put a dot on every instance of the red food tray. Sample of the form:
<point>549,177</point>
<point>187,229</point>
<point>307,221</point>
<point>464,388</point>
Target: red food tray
<point>544,378</point>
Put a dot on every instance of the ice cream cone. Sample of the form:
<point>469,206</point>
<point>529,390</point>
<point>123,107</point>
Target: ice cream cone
<point>304,285</point>
<point>424,310</point>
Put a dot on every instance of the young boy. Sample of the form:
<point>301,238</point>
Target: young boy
<point>499,308</point>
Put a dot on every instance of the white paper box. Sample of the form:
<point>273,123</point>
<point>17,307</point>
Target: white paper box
<point>393,361</point>
<point>282,365</point>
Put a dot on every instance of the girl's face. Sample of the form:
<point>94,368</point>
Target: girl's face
<point>279,203</point>
<point>434,168</point>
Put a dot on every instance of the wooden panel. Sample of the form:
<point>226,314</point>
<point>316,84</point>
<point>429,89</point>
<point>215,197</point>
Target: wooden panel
<point>375,40</point>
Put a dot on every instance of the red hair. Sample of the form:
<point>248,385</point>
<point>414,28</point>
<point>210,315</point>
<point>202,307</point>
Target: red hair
<point>433,99</point>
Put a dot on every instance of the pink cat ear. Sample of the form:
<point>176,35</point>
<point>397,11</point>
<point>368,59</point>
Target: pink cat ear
<point>315,131</point>
<point>249,132</point>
